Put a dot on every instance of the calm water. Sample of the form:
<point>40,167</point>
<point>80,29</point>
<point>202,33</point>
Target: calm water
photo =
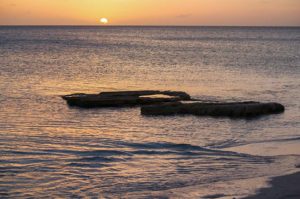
<point>50,150</point>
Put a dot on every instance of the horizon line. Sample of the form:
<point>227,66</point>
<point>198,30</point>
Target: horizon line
<point>69,25</point>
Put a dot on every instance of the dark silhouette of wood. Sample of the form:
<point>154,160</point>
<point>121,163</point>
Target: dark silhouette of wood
<point>165,103</point>
<point>124,98</point>
<point>237,110</point>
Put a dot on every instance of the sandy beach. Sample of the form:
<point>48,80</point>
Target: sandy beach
<point>281,187</point>
<point>285,186</point>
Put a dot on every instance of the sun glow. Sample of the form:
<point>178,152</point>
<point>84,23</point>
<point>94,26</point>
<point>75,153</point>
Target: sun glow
<point>146,12</point>
<point>104,20</point>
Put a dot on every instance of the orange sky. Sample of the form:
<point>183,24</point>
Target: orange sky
<point>151,12</point>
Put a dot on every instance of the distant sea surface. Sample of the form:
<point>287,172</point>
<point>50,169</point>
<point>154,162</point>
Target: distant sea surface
<point>48,149</point>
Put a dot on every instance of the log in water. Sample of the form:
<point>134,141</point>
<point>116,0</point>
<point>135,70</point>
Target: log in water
<point>240,109</point>
<point>124,98</point>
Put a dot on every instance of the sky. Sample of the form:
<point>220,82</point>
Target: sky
<point>151,12</point>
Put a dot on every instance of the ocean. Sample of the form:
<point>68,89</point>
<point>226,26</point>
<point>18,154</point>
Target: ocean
<point>50,150</point>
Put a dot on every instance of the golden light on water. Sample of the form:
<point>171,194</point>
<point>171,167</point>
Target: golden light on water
<point>104,20</point>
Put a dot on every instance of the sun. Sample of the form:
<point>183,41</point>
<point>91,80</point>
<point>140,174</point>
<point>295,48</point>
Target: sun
<point>104,20</point>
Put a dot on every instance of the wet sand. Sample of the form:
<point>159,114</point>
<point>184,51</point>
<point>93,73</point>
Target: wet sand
<point>281,187</point>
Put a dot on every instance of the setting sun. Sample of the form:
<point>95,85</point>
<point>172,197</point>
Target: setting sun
<point>104,20</point>
<point>146,12</point>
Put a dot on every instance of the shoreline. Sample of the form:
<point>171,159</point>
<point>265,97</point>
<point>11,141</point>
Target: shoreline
<point>286,186</point>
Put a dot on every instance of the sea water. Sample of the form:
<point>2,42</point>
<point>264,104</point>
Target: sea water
<point>48,149</point>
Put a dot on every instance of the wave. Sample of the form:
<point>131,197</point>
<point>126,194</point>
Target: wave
<point>127,152</point>
<point>234,143</point>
